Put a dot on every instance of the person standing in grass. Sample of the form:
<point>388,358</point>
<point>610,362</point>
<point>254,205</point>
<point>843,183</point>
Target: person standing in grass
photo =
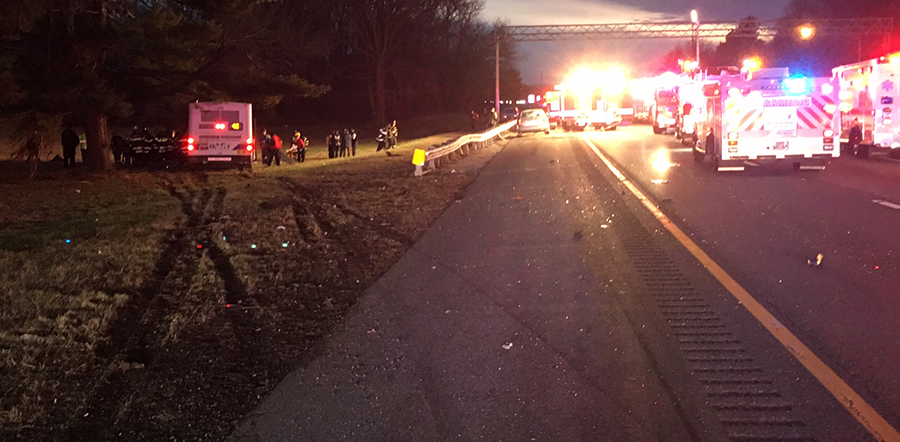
<point>82,145</point>
<point>69,143</point>
<point>346,141</point>
<point>353,141</point>
<point>381,138</point>
<point>393,133</point>
<point>300,144</point>
<point>334,142</point>
<point>265,144</point>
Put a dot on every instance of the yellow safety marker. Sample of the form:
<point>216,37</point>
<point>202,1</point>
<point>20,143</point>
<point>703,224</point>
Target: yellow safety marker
<point>853,402</point>
<point>418,157</point>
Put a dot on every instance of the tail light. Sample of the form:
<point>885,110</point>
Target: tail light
<point>250,144</point>
<point>828,137</point>
<point>190,144</point>
<point>732,140</point>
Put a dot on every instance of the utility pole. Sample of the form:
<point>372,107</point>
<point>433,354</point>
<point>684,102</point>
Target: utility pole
<point>696,20</point>
<point>497,71</point>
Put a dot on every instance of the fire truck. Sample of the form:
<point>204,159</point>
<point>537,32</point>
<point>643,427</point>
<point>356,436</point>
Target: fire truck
<point>766,116</point>
<point>869,91</point>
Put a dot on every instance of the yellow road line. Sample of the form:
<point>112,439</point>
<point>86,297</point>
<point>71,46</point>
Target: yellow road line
<point>853,402</point>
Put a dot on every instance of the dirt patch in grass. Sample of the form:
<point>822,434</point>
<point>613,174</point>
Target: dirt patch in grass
<point>164,305</point>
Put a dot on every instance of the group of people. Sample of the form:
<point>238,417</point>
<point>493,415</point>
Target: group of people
<point>341,144</point>
<point>270,146</point>
<point>387,138</point>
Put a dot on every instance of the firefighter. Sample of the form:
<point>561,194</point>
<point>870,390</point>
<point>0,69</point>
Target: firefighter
<point>393,133</point>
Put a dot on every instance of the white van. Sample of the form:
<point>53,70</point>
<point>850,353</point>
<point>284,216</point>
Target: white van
<point>220,133</point>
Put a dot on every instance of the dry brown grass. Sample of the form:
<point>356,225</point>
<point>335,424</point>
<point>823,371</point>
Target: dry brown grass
<point>130,325</point>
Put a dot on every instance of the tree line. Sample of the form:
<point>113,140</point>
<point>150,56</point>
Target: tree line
<point>94,63</point>
<point>814,56</point>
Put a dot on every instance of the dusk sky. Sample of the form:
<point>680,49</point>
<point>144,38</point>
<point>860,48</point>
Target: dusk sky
<point>543,62</point>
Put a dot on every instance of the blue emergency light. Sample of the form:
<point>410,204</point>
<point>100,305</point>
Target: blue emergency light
<point>795,86</point>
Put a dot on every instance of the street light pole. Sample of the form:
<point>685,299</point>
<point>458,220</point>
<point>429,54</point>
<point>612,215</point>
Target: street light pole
<point>696,20</point>
<point>497,71</point>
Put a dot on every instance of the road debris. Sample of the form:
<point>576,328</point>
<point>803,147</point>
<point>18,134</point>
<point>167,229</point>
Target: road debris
<point>817,262</point>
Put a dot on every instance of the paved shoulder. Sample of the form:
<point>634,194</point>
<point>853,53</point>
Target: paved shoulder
<point>501,323</point>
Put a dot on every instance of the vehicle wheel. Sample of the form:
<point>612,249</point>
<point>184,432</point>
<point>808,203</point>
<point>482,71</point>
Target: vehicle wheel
<point>894,153</point>
<point>862,151</point>
<point>518,134</point>
<point>796,165</point>
<point>713,151</point>
<point>546,131</point>
<point>657,130</point>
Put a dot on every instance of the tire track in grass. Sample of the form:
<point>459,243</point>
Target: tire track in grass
<point>138,331</point>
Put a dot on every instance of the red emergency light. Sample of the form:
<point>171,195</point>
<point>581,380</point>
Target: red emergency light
<point>190,145</point>
<point>250,144</point>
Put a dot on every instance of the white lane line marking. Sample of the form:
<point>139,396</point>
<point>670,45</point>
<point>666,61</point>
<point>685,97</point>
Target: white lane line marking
<point>887,204</point>
<point>864,413</point>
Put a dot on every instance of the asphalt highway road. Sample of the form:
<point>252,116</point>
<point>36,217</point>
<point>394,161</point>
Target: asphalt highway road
<point>548,304</point>
<point>764,226</point>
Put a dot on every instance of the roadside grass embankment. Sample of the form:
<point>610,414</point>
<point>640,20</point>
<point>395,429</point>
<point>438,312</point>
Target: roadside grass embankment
<point>157,304</point>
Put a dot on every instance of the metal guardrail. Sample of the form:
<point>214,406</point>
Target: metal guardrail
<point>436,154</point>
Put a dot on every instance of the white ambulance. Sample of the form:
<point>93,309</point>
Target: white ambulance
<point>219,133</point>
<point>869,91</point>
<point>766,116</point>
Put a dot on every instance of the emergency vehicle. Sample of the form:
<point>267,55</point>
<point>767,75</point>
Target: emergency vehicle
<point>766,116</point>
<point>869,91</point>
<point>219,133</point>
<point>689,109</point>
<point>691,102</point>
<point>575,113</point>
<point>664,110</point>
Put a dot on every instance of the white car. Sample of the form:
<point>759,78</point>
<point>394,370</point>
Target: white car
<point>533,120</point>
